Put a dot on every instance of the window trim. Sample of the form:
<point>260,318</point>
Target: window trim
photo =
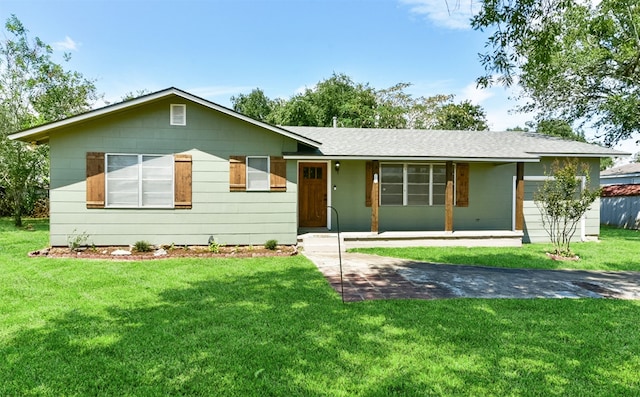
<point>172,114</point>
<point>405,184</point>
<point>139,156</point>
<point>267,174</point>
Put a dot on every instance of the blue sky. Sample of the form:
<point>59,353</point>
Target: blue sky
<point>219,48</point>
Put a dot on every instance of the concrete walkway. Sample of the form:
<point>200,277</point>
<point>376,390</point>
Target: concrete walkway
<point>375,277</point>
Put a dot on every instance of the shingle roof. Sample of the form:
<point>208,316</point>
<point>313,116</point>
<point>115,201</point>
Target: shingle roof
<point>481,145</point>
<point>632,168</point>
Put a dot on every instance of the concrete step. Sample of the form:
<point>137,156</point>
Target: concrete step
<point>320,244</point>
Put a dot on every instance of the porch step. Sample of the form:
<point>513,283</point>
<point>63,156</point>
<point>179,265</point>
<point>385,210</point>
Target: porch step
<point>320,243</point>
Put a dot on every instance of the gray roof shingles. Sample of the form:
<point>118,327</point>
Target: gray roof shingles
<point>632,168</point>
<point>399,143</point>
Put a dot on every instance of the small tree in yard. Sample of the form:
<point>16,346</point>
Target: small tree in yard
<point>563,200</point>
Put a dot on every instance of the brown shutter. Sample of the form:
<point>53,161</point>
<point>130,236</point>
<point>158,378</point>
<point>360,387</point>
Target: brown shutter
<point>371,168</point>
<point>182,181</point>
<point>278,168</point>
<point>95,180</point>
<point>462,185</point>
<point>237,173</point>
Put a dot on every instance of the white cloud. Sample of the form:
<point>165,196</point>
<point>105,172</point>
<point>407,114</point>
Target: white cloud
<point>68,44</point>
<point>452,14</point>
<point>499,105</point>
<point>476,95</point>
<point>500,118</point>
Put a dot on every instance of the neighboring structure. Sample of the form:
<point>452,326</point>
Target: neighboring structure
<point>170,167</point>
<point>620,202</point>
<point>628,174</point>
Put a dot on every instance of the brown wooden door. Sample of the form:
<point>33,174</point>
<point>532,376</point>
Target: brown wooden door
<point>312,194</point>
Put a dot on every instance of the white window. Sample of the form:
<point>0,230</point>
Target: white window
<point>412,184</point>
<point>139,180</point>
<point>178,114</point>
<point>258,173</point>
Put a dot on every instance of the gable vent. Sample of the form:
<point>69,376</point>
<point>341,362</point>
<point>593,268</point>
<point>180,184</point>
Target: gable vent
<point>178,114</point>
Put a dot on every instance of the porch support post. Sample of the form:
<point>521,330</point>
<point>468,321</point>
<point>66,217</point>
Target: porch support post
<point>519,196</point>
<point>375,198</point>
<point>448,203</point>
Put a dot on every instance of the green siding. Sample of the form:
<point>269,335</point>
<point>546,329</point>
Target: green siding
<point>534,230</point>
<point>349,196</point>
<point>490,202</point>
<point>490,198</point>
<point>210,137</point>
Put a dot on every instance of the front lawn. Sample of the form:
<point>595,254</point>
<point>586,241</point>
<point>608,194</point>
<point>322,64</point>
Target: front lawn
<point>618,249</point>
<point>274,327</point>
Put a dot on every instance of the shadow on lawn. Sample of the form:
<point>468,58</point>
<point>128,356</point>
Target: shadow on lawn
<point>286,333</point>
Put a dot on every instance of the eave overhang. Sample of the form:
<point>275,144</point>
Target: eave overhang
<point>316,157</point>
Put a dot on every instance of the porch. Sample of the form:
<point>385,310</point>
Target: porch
<point>324,240</point>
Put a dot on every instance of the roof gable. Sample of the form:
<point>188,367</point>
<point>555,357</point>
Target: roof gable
<point>41,133</point>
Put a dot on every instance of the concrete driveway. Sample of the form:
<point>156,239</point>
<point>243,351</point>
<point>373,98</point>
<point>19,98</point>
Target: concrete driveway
<point>376,277</point>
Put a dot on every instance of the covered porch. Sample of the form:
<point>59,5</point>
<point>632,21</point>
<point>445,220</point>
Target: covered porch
<point>456,199</point>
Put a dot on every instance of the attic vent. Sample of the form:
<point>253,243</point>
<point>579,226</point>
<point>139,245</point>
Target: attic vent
<point>178,114</point>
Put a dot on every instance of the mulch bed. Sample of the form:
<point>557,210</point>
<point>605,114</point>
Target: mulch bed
<point>167,252</point>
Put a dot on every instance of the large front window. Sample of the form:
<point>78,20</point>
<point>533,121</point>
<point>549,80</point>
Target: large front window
<point>139,180</point>
<point>412,184</point>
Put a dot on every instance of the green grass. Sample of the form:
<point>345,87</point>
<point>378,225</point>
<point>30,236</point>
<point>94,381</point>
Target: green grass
<point>273,327</point>
<point>617,249</point>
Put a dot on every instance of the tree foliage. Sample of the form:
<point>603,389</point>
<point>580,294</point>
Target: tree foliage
<point>33,90</point>
<point>563,199</point>
<point>361,106</point>
<point>576,60</point>
<point>462,116</point>
<point>559,128</point>
<point>255,105</point>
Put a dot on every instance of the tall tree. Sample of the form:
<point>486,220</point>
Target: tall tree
<point>338,96</point>
<point>462,116</point>
<point>255,105</point>
<point>33,90</point>
<point>392,106</point>
<point>559,128</point>
<point>361,106</point>
<point>576,60</point>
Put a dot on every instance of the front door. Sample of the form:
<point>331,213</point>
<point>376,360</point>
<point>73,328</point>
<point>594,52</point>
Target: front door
<point>312,194</point>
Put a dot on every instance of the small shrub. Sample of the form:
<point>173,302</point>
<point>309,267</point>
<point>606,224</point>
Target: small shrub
<point>142,246</point>
<point>214,247</point>
<point>77,240</point>
<point>271,245</point>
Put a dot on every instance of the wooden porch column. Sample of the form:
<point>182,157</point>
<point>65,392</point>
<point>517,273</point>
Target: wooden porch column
<point>448,201</point>
<point>375,198</point>
<point>519,196</point>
